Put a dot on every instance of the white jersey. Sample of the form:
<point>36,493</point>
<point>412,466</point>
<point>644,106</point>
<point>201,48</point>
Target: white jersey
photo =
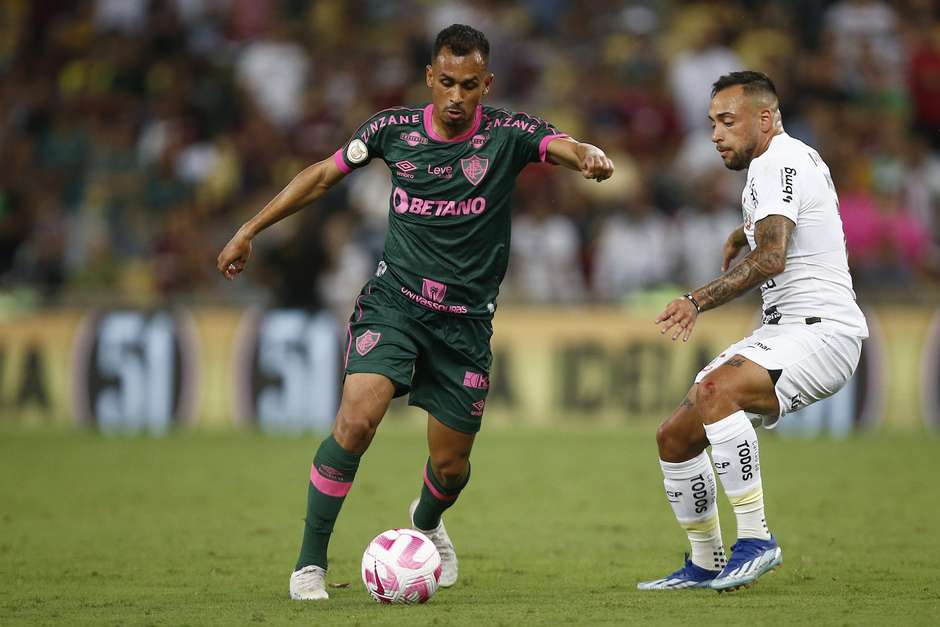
<point>790,179</point>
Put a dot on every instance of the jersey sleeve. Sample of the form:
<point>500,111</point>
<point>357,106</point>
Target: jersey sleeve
<point>367,142</point>
<point>779,187</point>
<point>532,135</point>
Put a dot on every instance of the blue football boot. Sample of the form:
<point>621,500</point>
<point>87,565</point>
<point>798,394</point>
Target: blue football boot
<point>750,558</point>
<point>689,576</point>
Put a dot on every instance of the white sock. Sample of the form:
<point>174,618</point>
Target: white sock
<point>690,489</point>
<point>737,461</point>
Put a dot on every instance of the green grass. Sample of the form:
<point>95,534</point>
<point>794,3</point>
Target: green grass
<point>555,528</point>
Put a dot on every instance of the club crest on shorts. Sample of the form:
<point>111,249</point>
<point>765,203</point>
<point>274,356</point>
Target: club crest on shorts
<point>474,168</point>
<point>367,341</point>
<point>433,290</point>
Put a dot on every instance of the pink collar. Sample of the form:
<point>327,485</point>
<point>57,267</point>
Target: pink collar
<point>429,126</point>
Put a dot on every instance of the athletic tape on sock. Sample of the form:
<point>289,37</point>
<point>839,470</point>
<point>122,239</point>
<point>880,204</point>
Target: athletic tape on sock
<point>691,492</point>
<point>736,455</point>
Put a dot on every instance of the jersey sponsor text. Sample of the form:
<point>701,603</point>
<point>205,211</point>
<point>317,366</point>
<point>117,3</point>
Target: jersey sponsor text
<point>403,203</point>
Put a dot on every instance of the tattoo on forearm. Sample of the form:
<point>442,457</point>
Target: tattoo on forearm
<point>686,403</point>
<point>736,362</point>
<point>766,260</point>
<point>731,284</point>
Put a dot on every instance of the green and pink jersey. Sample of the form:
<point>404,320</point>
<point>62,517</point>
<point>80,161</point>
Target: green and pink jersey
<point>449,213</point>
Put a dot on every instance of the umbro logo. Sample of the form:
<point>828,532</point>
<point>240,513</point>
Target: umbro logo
<point>405,168</point>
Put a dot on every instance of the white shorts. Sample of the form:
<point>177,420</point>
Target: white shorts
<point>814,361</point>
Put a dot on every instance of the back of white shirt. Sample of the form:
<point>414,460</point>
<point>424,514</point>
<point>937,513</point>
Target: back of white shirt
<point>790,179</point>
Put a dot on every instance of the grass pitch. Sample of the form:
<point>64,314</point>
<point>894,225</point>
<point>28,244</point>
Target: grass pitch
<point>555,528</point>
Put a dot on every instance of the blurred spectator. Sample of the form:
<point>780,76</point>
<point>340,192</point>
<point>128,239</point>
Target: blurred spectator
<point>138,134</point>
<point>635,249</point>
<point>545,263</point>
<point>646,115</point>
<point>123,15</point>
<point>887,244</point>
<point>703,226</point>
<point>921,184</point>
<point>867,44</point>
<point>180,260</point>
<point>348,265</point>
<point>316,263</point>
<point>703,57</point>
<point>15,228</point>
<point>275,71</point>
<point>924,80</point>
<point>42,260</point>
<point>699,64</point>
<point>369,192</point>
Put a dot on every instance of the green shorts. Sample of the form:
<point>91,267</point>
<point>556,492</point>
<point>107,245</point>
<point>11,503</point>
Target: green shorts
<point>443,361</point>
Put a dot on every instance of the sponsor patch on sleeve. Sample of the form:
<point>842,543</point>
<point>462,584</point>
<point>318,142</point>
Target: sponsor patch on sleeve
<point>786,183</point>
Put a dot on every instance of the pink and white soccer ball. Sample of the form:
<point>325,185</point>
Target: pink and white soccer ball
<point>401,566</point>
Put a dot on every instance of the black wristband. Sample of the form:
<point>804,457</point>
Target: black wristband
<point>691,299</point>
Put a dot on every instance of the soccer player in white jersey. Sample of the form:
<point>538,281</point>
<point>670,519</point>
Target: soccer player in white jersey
<point>806,349</point>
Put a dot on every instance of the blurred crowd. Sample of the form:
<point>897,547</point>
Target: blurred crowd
<point>138,134</point>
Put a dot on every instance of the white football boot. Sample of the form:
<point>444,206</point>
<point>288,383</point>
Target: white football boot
<point>308,584</point>
<point>444,546</point>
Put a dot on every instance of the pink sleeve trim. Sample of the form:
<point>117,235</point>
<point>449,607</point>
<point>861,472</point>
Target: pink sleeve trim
<point>543,145</point>
<point>348,345</point>
<point>328,487</point>
<point>340,162</point>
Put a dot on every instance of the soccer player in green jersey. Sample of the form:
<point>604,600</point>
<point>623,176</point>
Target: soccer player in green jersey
<point>422,325</point>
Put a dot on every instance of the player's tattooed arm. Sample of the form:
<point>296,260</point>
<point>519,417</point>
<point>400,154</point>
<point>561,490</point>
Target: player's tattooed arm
<point>767,260</point>
<point>733,246</point>
<point>589,160</point>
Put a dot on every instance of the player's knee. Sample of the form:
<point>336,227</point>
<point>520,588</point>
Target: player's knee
<point>709,388</point>
<point>663,435</point>
<point>450,468</point>
<point>670,442</point>
<point>713,394</point>
<point>356,423</point>
<point>353,433</point>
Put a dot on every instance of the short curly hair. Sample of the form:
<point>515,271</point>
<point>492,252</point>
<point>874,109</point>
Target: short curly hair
<point>462,40</point>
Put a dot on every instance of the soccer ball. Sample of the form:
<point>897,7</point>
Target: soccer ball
<point>401,566</point>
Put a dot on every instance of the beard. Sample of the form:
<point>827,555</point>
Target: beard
<point>741,160</point>
<point>456,123</point>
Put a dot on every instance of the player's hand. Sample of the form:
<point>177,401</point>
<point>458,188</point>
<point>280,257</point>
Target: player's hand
<point>596,165</point>
<point>234,256</point>
<point>680,315</point>
<point>732,248</point>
